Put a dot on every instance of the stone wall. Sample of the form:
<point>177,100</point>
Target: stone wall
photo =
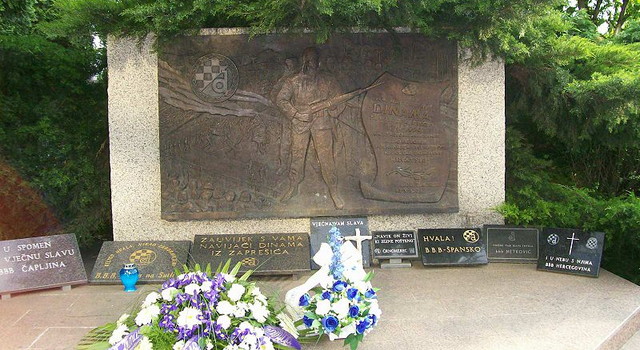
<point>135,156</point>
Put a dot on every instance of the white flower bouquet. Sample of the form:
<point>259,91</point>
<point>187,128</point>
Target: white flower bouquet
<point>197,311</point>
<point>344,305</point>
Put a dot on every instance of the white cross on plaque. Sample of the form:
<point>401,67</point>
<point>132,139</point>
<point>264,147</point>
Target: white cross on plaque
<point>572,239</point>
<point>358,239</point>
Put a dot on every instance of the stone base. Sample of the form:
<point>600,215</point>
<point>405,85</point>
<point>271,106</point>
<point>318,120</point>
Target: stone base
<point>491,307</point>
<point>395,263</point>
<point>496,307</point>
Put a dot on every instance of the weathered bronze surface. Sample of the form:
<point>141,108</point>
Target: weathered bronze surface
<point>279,126</point>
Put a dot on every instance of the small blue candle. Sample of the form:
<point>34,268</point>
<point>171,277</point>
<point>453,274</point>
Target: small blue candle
<point>129,277</point>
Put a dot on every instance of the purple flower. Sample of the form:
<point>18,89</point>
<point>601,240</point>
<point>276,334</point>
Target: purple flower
<point>339,286</point>
<point>308,321</point>
<point>370,293</point>
<point>352,293</point>
<point>362,326</point>
<point>304,300</point>
<point>326,295</point>
<point>354,310</point>
<point>330,323</point>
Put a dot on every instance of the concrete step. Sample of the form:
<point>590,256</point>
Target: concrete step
<point>633,343</point>
<point>492,307</point>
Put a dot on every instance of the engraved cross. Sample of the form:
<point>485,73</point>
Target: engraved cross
<point>358,239</point>
<point>572,239</point>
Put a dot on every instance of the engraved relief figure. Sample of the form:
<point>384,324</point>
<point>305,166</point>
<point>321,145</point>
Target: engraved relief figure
<point>290,65</point>
<point>305,100</point>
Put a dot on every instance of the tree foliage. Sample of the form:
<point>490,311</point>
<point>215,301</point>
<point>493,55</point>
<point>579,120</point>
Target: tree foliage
<point>53,125</point>
<point>484,24</point>
<point>573,140</point>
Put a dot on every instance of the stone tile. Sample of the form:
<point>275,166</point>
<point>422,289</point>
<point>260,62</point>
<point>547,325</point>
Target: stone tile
<point>60,338</point>
<point>112,304</point>
<point>11,313</point>
<point>15,338</point>
<point>49,319</point>
<point>633,343</point>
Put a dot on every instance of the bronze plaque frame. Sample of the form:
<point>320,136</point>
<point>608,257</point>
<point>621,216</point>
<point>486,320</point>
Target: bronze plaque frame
<point>280,126</point>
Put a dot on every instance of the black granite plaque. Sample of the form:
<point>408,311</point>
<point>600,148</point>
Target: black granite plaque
<point>571,251</point>
<point>156,260</point>
<point>458,246</point>
<point>368,127</point>
<point>40,263</point>
<point>512,244</point>
<point>265,253</point>
<point>394,244</point>
<point>353,230</point>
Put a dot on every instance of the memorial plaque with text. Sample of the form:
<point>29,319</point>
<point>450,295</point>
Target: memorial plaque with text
<point>571,251</point>
<point>265,253</point>
<point>460,246</point>
<point>40,263</point>
<point>353,230</point>
<point>512,244</point>
<point>156,260</point>
<point>394,244</point>
<point>279,125</point>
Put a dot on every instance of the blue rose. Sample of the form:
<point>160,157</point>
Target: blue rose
<point>326,295</point>
<point>370,293</point>
<point>339,286</point>
<point>362,326</point>
<point>354,311</point>
<point>304,300</point>
<point>330,323</point>
<point>308,321</point>
<point>373,319</point>
<point>352,293</point>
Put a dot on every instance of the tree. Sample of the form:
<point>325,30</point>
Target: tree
<point>613,13</point>
<point>53,125</point>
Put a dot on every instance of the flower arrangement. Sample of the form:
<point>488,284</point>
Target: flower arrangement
<point>345,304</point>
<point>198,310</point>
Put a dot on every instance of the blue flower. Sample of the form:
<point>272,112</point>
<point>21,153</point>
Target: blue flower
<point>370,293</point>
<point>326,295</point>
<point>373,319</point>
<point>354,310</point>
<point>330,323</point>
<point>362,326</point>
<point>339,286</point>
<point>351,293</point>
<point>304,300</point>
<point>308,321</point>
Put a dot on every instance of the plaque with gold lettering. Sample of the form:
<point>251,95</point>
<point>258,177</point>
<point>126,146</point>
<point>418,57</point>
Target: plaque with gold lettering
<point>458,246</point>
<point>156,260</point>
<point>265,253</point>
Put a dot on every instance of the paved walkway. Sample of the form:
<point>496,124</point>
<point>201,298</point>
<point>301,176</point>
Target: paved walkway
<point>498,306</point>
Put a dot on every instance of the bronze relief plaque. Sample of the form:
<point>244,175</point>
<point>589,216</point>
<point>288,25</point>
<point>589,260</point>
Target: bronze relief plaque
<point>280,126</point>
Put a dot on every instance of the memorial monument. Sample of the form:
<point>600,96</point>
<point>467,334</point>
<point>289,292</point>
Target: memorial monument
<point>223,133</point>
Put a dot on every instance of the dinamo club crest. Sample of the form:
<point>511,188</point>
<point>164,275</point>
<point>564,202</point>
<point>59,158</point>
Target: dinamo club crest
<point>214,78</point>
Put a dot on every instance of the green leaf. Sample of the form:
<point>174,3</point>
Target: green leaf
<point>369,276</point>
<point>225,267</point>
<point>246,275</point>
<point>236,268</point>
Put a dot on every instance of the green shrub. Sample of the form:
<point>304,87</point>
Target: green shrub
<point>534,198</point>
